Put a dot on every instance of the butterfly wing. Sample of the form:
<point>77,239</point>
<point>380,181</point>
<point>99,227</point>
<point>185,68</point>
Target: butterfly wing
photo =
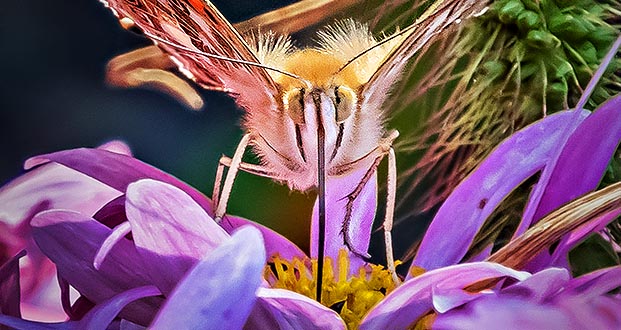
<point>187,30</point>
<point>435,20</point>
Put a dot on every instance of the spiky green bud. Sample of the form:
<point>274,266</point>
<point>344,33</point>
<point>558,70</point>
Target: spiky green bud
<point>542,40</point>
<point>557,90</point>
<point>493,69</point>
<point>510,11</point>
<point>529,20</point>
<point>588,52</point>
<point>568,26</point>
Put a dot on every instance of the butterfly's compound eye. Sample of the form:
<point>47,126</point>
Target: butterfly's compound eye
<point>294,104</point>
<point>344,102</point>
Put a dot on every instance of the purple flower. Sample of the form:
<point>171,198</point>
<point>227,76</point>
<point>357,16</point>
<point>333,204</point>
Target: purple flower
<point>46,187</point>
<point>177,248</point>
<point>549,299</point>
<point>171,232</point>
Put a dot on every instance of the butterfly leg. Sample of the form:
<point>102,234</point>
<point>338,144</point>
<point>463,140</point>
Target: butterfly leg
<point>222,201</point>
<point>385,148</point>
<point>226,161</point>
<point>351,198</point>
<point>391,189</point>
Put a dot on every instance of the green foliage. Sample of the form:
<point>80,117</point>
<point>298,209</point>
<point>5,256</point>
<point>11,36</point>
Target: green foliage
<point>552,46</point>
<point>518,62</point>
<point>592,254</point>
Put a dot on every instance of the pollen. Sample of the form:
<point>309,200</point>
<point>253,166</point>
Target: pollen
<point>350,296</point>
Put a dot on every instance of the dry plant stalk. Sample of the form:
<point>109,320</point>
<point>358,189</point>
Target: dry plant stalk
<point>580,212</point>
<point>295,17</point>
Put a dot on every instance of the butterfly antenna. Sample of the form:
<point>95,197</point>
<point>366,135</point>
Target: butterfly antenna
<point>224,58</point>
<point>435,8</point>
<point>378,44</point>
<point>397,34</point>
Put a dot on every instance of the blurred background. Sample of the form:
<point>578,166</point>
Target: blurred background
<point>53,96</point>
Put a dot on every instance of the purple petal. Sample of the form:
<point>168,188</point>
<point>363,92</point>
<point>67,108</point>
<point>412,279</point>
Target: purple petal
<point>171,231</point>
<point>604,309</point>
<point>413,298</point>
<point>46,187</point>
<point>51,186</point>
<point>546,300</point>
<point>126,325</point>
<point>275,244</point>
<point>595,140</point>
<point>490,312</point>
<point>219,292</point>
<point>284,309</point>
<point>118,233</point>
<point>527,151</point>
<point>591,312</point>
<point>99,317</point>
<point>71,241</point>
<point>103,314</point>
<point>116,146</point>
<point>361,222</point>
<point>116,170</point>
<point>113,213</point>
<point>445,299</point>
<point>540,286</point>
<point>19,324</point>
<point>9,286</point>
<point>54,186</point>
<point>595,283</point>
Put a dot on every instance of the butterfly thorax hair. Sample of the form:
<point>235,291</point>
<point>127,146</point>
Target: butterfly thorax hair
<point>329,94</point>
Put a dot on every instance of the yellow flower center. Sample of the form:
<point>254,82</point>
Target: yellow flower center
<point>351,297</point>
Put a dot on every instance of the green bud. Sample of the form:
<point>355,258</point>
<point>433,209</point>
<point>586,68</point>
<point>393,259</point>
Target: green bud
<point>530,106</point>
<point>542,40</point>
<point>565,3</point>
<point>568,27</point>
<point>583,73</point>
<point>529,20</point>
<point>557,91</point>
<point>528,69</point>
<point>600,95</point>
<point>495,6</point>
<point>532,5</point>
<point>493,69</point>
<point>588,52</point>
<point>509,13</point>
<point>603,37</point>
<point>559,68</point>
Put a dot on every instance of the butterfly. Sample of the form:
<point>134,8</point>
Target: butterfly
<point>312,114</point>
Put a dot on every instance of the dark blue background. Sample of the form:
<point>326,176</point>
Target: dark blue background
<point>53,97</point>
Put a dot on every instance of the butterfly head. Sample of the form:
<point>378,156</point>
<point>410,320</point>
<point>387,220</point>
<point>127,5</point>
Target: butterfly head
<point>322,81</point>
